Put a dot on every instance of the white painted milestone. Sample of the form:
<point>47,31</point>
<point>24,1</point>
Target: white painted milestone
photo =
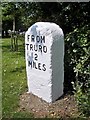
<point>44,53</point>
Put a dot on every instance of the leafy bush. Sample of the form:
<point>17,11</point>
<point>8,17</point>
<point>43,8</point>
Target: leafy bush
<point>82,98</point>
<point>77,48</point>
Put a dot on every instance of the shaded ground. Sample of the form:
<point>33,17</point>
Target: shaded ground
<point>65,107</point>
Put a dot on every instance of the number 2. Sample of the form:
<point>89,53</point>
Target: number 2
<point>36,57</point>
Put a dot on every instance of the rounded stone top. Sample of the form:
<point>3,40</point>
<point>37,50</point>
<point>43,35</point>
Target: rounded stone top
<point>46,28</point>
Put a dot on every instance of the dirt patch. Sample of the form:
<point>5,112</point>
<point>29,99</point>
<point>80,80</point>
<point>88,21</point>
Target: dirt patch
<point>64,107</point>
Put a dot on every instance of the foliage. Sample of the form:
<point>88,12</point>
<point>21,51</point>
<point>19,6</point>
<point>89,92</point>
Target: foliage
<point>12,11</point>
<point>78,54</point>
<point>25,14</point>
<point>82,98</point>
<point>67,15</point>
<point>9,10</point>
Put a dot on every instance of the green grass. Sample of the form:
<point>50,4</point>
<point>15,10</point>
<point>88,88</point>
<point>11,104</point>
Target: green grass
<point>14,81</point>
<point>0,80</point>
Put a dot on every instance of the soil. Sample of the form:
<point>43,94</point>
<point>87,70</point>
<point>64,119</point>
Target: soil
<point>64,107</point>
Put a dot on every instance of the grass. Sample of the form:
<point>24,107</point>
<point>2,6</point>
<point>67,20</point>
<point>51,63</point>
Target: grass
<point>0,80</point>
<point>14,81</point>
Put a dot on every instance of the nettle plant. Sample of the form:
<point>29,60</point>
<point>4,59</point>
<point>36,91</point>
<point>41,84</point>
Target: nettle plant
<point>78,54</point>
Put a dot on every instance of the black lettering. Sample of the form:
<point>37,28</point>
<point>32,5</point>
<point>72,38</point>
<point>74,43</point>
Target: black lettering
<point>37,39</point>
<point>35,47</point>
<point>28,37</point>
<point>42,38</point>
<point>39,66</point>
<point>40,48</point>
<point>31,47</point>
<point>27,46</point>
<point>30,63</point>
<point>32,38</point>
<point>44,49</point>
<point>36,57</point>
<point>44,67</point>
<point>34,65</point>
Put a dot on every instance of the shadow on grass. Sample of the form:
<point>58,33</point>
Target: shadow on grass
<point>20,51</point>
<point>6,47</point>
<point>19,69</point>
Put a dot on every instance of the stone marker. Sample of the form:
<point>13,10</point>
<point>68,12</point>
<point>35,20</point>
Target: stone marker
<point>44,51</point>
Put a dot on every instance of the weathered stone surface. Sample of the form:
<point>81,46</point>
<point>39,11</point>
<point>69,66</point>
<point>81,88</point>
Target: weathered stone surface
<point>44,51</point>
